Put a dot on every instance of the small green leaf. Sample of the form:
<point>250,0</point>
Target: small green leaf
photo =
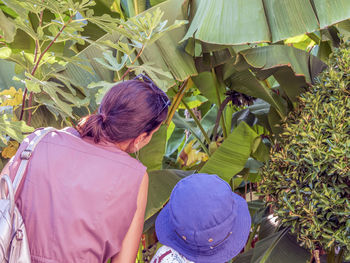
<point>14,129</point>
<point>5,52</point>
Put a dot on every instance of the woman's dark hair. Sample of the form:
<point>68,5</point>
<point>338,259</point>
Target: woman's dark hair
<point>127,110</point>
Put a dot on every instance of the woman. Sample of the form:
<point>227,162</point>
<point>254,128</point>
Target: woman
<point>83,198</point>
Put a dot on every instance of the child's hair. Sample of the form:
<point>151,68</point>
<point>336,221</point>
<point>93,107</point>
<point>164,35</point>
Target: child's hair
<point>127,110</point>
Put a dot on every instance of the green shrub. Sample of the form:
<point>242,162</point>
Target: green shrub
<point>308,176</point>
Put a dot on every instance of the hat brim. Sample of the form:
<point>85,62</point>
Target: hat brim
<point>231,247</point>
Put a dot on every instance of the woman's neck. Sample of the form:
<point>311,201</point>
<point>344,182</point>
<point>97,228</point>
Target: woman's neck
<point>123,146</point>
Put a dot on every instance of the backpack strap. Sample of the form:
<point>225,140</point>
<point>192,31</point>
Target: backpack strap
<point>25,155</point>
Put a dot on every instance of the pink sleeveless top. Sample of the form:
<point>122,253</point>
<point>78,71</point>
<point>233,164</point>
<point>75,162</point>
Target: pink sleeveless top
<point>78,198</point>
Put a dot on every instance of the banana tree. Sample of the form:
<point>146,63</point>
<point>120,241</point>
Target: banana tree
<point>247,69</point>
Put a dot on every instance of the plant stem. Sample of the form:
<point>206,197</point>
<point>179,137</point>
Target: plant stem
<point>29,106</point>
<point>219,103</point>
<point>194,117</point>
<point>311,257</point>
<point>218,117</point>
<point>331,255</point>
<point>133,62</point>
<point>251,191</point>
<point>317,256</point>
<point>339,258</point>
<point>23,103</point>
<point>36,67</point>
<point>176,102</point>
<point>250,239</point>
<point>48,47</point>
<point>36,50</point>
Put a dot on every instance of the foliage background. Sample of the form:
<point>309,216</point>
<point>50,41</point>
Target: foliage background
<point>231,80</point>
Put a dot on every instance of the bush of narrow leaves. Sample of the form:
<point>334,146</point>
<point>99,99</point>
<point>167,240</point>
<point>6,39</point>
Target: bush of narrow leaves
<point>308,176</point>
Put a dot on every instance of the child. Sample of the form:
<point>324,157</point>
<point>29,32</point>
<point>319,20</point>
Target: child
<point>204,222</point>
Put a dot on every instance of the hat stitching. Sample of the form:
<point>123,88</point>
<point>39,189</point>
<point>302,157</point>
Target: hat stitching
<point>220,242</point>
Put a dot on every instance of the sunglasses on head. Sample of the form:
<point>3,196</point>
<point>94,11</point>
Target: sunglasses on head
<point>153,86</point>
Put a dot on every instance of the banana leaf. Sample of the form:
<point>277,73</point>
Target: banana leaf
<point>166,53</point>
<point>152,154</point>
<point>175,140</point>
<point>207,83</point>
<point>245,82</point>
<point>272,57</point>
<point>280,247</point>
<point>240,22</point>
<point>161,183</point>
<point>231,157</point>
<point>294,70</point>
<point>330,12</point>
<point>190,125</point>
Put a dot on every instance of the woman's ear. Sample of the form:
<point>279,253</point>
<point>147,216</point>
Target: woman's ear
<point>139,139</point>
<point>138,142</point>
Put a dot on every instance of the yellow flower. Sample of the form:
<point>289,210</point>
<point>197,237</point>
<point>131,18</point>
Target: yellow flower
<point>12,96</point>
<point>10,150</point>
<point>190,156</point>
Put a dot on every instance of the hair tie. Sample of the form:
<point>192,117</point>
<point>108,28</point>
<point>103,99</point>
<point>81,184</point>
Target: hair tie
<point>103,117</point>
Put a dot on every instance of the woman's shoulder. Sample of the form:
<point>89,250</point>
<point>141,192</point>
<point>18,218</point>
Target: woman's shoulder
<point>107,151</point>
<point>167,254</point>
<point>69,141</point>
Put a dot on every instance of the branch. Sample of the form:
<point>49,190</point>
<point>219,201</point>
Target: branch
<point>48,47</point>
<point>133,62</point>
<point>23,103</point>
<point>197,122</point>
<point>36,67</point>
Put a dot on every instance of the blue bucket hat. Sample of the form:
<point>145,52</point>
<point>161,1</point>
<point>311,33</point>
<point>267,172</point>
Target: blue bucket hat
<point>204,220</point>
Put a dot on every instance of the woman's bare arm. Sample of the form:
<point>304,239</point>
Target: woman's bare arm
<point>131,241</point>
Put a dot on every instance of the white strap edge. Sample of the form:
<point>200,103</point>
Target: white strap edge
<point>24,162</point>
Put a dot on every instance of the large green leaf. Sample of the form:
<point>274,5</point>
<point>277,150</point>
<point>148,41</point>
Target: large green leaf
<point>152,154</point>
<point>330,12</point>
<point>161,183</point>
<point>239,22</point>
<point>175,140</point>
<point>156,2</point>
<point>294,69</point>
<point>245,82</point>
<point>232,22</point>
<point>207,84</point>
<point>279,247</point>
<point>190,125</point>
<point>271,57</point>
<point>166,53</point>
<point>231,157</point>
<point>287,18</point>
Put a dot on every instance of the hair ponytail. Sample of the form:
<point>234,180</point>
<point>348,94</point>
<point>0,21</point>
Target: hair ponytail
<point>92,126</point>
<point>127,110</point>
